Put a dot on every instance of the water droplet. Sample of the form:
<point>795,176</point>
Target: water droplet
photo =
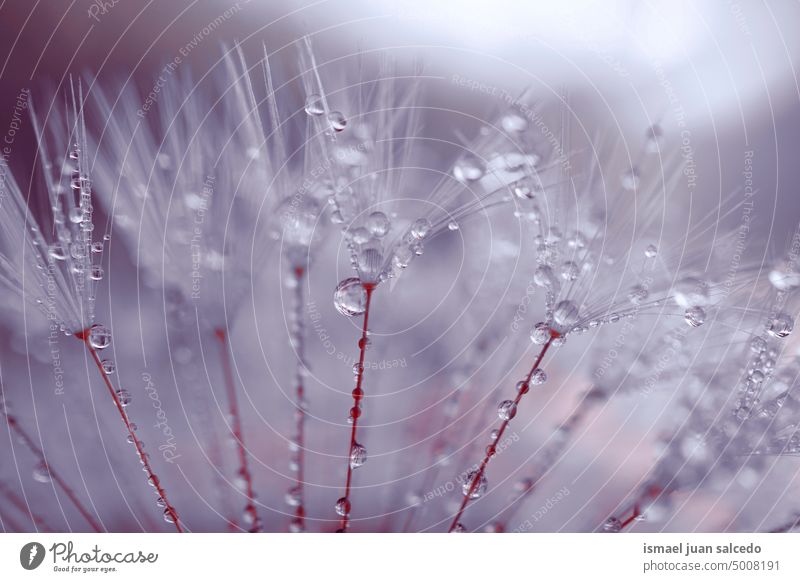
<point>468,169</point>
<point>378,224</point>
<point>161,503</point>
<point>654,137</point>
<point>124,397</point>
<point>612,525</point>
<point>523,387</point>
<point>494,435</point>
<point>651,251</point>
<point>540,333</point>
<point>458,528</point>
<point>337,120</point>
<point>99,337</point>
<point>544,277</point>
<point>294,496</point>
<point>690,292</point>
<point>314,105</point>
<point>758,345</point>
<point>56,251</point>
<point>695,316</point>
<point>514,123</point>
<point>569,271</point>
<point>75,215</point>
<point>637,294</point>
<point>420,228</point>
<point>41,473</point>
<point>784,276</point>
<point>296,526</point>
<point>96,273</point>
<point>566,313</point>
<point>630,179</point>
<point>350,297</point>
<point>109,367</point>
<point>358,455</point>
<point>343,506</point>
<point>360,235</point>
<point>539,376</point>
<point>474,485</point>
<point>97,247</point>
<point>168,517</point>
<point>402,257</point>
<point>507,410</point>
<point>781,325</point>
<point>452,225</point>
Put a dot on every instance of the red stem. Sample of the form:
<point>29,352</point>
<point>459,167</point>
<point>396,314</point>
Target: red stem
<point>152,478</point>
<point>300,416</point>
<point>28,441</point>
<point>238,434</point>
<point>490,451</point>
<point>358,395</point>
<point>22,506</point>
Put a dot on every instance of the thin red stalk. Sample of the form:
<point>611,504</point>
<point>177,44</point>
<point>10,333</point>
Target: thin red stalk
<point>152,478</point>
<point>28,441</point>
<point>358,395</point>
<point>541,471</point>
<point>300,416</point>
<point>238,434</point>
<point>490,450</point>
<point>630,515</point>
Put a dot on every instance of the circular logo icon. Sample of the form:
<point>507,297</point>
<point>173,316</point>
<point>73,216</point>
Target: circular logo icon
<point>31,555</point>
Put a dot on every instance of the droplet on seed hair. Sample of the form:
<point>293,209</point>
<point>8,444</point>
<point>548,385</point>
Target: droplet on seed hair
<point>99,337</point>
<point>96,273</point>
<point>784,276</point>
<point>420,228</point>
<point>781,325</point>
<point>168,516</point>
<point>350,297</point>
<point>637,294</point>
<point>544,277</point>
<point>758,345</point>
<point>651,251</point>
<point>452,225</point>
<point>314,105</point>
<point>56,251</point>
<point>695,316</point>
<point>337,120</point>
<point>468,169</point>
<point>612,525</point>
<point>458,528</point>
<point>378,224</point>
<point>566,313</point>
